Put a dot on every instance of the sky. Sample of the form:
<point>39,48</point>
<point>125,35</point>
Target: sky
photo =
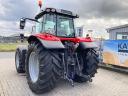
<point>96,15</point>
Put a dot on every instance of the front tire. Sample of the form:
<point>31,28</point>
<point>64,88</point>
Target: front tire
<point>20,61</point>
<point>89,60</point>
<point>43,76</point>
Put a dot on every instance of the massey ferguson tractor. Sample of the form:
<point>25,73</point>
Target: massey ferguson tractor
<point>54,52</point>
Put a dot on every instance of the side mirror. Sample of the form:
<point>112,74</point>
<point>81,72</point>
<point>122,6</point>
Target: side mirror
<point>22,23</point>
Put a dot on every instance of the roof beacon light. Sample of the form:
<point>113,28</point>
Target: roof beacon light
<point>40,3</point>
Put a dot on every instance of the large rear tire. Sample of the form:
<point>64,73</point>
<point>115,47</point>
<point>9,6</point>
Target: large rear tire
<point>43,76</point>
<point>89,60</point>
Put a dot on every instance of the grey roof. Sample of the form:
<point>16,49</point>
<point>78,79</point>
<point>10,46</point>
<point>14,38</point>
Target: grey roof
<point>117,27</point>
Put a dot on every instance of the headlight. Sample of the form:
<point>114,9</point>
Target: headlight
<point>53,10</point>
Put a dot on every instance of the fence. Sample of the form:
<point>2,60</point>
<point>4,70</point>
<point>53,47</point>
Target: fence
<point>9,39</point>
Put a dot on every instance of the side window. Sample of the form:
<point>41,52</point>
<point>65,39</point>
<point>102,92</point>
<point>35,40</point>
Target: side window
<point>33,29</point>
<point>50,24</point>
<point>39,25</point>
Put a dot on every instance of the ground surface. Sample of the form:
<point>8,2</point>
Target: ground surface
<point>106,83</point>
<point>9,47</point>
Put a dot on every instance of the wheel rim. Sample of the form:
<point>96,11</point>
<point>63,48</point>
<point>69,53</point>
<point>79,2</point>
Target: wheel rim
<point>34,67</point>
<point>17,61</point>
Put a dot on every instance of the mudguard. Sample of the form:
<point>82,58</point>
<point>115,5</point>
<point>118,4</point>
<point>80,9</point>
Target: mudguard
<point>87,45</point>
<point>52,44</point>
<point>48,44</point>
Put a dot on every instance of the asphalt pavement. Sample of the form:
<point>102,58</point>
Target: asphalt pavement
<point>105,83</point>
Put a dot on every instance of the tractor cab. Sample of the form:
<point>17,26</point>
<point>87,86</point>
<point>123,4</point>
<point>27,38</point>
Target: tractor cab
<point>59,23</point>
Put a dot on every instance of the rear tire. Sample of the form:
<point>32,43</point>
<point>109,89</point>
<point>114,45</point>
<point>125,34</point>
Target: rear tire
<point>89,59</point>
<point>49,68</point>
<point>20,61</point>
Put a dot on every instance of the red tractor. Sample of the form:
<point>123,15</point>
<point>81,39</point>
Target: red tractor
<point>54,52</point>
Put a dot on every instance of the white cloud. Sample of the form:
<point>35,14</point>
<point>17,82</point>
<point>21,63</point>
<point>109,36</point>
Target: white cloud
<point>94,14</point>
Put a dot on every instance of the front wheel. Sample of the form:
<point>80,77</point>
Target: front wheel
<point>43,68</point>
<point>20,61</point>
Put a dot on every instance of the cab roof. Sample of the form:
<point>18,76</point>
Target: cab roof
<point>56,11</point>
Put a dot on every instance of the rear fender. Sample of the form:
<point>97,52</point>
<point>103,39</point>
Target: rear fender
<point>48,44</point>
<point>87,45</point>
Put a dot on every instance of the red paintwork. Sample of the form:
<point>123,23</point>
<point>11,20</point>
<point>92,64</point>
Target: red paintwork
<point>46,36</point>
<point>50,37</point>
<point>77,39</point>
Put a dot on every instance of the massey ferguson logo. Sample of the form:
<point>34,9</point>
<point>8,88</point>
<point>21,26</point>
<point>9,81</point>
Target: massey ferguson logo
<point>123,47</point>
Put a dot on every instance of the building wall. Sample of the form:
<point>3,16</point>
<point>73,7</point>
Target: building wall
<point>113,32</point>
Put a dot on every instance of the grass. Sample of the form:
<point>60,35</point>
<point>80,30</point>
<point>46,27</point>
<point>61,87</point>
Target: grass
<point>8,47</point>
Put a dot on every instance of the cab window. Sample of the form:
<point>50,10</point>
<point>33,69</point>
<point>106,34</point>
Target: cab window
<point>39,25</point>
<point>50,24</point>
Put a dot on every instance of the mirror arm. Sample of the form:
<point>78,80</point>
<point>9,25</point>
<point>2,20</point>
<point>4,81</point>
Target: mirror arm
<point>31,19</point>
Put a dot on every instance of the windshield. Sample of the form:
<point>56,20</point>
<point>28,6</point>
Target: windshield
<point>65,27</point>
